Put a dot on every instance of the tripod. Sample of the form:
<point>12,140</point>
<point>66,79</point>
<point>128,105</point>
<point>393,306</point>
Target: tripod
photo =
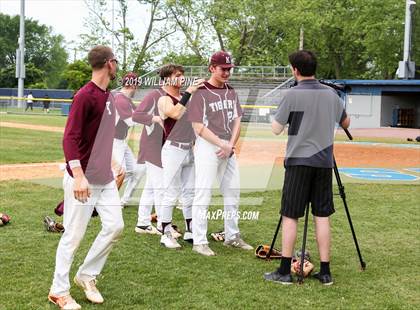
<point>343,197</point>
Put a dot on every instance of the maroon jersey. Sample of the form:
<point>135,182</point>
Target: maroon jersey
<point>216,108</point>
<point>152,134</point>
<point>178,130</point>
<point>89,133</point>
<point>125,109</point>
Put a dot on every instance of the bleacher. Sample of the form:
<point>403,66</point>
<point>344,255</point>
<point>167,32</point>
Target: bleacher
<point>255,85</point>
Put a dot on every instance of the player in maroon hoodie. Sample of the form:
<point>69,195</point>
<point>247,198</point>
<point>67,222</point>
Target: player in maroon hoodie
<point>88,182</point>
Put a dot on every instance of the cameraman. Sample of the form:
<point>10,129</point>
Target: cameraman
<point>312,111</point>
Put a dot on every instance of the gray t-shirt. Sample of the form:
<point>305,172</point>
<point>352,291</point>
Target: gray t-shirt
<point>312,110</point>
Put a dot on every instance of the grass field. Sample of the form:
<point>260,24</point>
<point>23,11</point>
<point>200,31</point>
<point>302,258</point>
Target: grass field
<point>29,146</point>
<point>45,120</point>
<point>251,130</point>
<point>140,274</point>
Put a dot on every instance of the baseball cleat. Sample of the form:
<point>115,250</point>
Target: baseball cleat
<point>64,302</point>
<point>90,289</point>
<point>203,249</point>
<point>169,241</point>
<point>151,230</point>
<point>276,277</point>
<point>237,242</point>
<point>188,237</point>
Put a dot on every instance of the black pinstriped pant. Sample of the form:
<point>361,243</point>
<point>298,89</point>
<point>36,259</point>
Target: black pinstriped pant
<point>303,184</point>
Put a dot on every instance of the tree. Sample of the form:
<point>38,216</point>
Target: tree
<point>43,50</point>
<point>184,59</point>
<point>77,74</point>
<point>34,77</point>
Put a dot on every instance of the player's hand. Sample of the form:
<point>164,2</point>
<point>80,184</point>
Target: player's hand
<point>196,85</point>
<point>158,120</point>
<point>225,151</point>
<point>81,188</point>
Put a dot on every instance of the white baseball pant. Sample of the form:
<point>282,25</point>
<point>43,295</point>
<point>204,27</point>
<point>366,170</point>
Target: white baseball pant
<point>178,180</point>
<point>134,172</point>
<point>105,199</point>
<point>151,195</point>
<point>208,167</point>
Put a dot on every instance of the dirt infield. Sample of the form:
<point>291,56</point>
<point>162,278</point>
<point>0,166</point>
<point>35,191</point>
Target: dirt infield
<point>259,152</point>
<point>30,171</point>
<point>347,155</point>
<point>32,127</point>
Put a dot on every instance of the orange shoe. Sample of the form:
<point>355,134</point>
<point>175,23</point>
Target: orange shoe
<point>64,302</point>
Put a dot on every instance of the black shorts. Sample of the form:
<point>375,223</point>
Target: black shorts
<point>303,184</point>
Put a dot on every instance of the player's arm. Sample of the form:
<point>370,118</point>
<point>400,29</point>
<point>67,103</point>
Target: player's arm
<point>168,109</point>
<point>341,117</point>
<point>281,117</point>
<point>142,113</point>
<point>71,139</point>
<point>236,131</point>
<point>208,135</point>
<point>276,127</point>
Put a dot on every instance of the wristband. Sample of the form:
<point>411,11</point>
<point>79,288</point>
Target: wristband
<point>185,98</point>
<point>74,163</point>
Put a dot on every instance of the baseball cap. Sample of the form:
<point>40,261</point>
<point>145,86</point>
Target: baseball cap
<point>129,79</point>
<point>222,59</point>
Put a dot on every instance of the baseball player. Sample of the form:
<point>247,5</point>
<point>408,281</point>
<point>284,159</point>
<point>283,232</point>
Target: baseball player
<point>29,102</point>
<point>150,154</point>
<point>88,182</point>
<point>215,114</point>
<point>121,152</point>
<point>177,155</point>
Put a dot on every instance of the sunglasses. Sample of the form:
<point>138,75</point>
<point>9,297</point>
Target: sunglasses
<point>112,59</point>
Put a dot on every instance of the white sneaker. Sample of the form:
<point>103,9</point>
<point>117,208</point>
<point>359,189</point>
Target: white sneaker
<point>64,302</point>
<point>91,292</point>
<point>188,236</point>
<point>203,249</point>
<point>169,241</point>
<point>237,242</point>
<point>151,230</point>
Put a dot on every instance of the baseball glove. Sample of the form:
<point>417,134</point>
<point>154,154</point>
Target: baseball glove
<point>218,236</point>
<point>53,226</point>
<point>153,218</point>
<point>262,251</point>
<point>307,266</point>
<point>4,219</point>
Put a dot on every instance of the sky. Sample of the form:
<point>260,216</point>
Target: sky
<point>66,17</point>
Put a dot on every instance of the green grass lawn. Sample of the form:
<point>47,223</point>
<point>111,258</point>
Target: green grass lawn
<point>140,274</point>
<point>46,120</point>
<point>250,130</point>
<point>36,111</point>
<point>29,146</point>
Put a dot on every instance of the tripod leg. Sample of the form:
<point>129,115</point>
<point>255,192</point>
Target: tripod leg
<point>302,254</point>
<point>343,197</point>
<point>274,239</point>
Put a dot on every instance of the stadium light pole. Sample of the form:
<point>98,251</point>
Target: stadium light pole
<point>406,68</point>
<point>20,54</point>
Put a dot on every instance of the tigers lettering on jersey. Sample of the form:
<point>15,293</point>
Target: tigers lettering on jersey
<point>216,108</point>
